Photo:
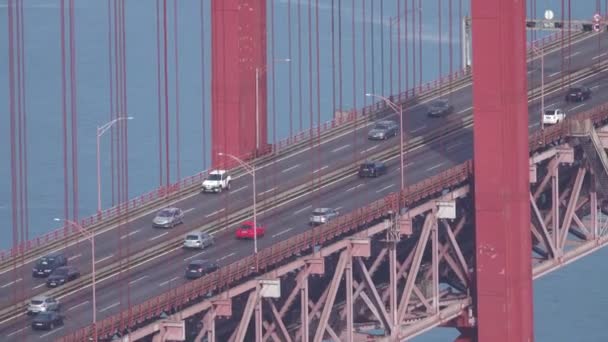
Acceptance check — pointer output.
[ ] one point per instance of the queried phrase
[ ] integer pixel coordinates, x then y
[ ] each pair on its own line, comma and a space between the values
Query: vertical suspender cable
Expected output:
372, 40
439, 10
166, 96
420, 42
289, 55
203, 86
301, 100
382, 81
74, 115
333, 56
414, 12
158, 95
340, 60
406, 46
177, 128
13, 135
390, 52
364, 55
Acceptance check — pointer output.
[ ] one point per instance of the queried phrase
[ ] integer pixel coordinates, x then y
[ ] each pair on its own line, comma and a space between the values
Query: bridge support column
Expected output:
239, 48
502, 223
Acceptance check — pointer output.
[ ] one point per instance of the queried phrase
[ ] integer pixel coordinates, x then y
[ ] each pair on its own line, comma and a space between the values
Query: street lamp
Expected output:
399, 111
541, 52
100, 131
91, 237
250, 169
258, 72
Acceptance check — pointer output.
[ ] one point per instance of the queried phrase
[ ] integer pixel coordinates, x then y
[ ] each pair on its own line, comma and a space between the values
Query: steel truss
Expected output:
413, 272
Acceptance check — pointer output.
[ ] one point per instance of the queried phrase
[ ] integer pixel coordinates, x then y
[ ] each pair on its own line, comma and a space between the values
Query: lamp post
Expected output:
100, 131
541, 52
258, 73
250, 169
91, 237
399, 111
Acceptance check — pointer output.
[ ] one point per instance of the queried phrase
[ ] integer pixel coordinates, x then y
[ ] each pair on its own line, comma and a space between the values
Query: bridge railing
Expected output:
162, 192
268, 257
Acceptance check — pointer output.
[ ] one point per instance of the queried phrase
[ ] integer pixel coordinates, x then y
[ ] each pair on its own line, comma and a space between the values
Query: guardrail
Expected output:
148, 200
272, 256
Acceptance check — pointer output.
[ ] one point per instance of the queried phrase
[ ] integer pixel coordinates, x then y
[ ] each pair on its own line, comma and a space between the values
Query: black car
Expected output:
372, 169
439, 108
62, 275
198, 268
47, 320
578, 94
47, 264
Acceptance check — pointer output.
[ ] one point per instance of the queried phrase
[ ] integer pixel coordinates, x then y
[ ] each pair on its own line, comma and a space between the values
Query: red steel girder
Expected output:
502, 209
239, 47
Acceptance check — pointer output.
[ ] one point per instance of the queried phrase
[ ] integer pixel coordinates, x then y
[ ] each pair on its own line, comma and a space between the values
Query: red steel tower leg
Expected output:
238, 48
502, 208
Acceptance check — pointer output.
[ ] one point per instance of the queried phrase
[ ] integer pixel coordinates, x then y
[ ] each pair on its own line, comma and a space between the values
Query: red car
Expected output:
246, 231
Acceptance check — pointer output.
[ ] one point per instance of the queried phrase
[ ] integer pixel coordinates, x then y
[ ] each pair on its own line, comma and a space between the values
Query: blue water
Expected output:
561, 315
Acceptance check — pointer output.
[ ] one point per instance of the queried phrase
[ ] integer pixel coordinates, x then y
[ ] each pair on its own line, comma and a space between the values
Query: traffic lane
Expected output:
108, 257
417, 113
549, 57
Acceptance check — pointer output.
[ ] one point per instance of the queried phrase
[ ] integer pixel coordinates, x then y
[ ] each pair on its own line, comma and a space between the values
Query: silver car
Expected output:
200, 240
42, 304
323, 215
168, 218
383, 130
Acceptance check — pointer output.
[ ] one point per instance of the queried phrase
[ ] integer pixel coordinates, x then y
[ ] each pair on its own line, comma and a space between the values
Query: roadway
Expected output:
166, 271
273, 178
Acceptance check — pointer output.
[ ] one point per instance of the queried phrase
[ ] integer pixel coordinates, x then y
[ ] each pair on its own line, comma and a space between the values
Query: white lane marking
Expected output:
340, 148
534, 125
435, 167
531, 71
369, 149
269, 190
74, 257
465, 110
338, 208
109, 307
550, 105
385, 188
282, 232
78, 305
595, 87
194, 256
158, 236
38, 286
188, 210
354, 187
599, 56
290, 168
226, 257
418, 129
131, 233
11, 283
168, 281
138, 279
398, 170
239, 189
104, 258
574, 54
51, 332
577, 107
453, 146
215, 212
555, 74
16, 332
321, 169
301, 210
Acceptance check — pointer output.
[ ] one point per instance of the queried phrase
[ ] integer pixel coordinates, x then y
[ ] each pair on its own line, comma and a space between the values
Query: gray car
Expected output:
168, 218
383, 130
42, 304
440, 107
200, 240
323, 215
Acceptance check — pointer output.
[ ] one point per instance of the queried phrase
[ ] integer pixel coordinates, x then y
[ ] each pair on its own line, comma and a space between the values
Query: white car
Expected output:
217, 181
42, 304
553, 116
